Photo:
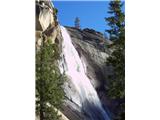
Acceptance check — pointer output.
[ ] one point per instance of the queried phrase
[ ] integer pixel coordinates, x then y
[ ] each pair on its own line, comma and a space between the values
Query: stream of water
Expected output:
74, 68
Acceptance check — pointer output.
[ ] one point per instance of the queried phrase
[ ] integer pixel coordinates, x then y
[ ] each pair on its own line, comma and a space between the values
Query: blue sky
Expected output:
91, 13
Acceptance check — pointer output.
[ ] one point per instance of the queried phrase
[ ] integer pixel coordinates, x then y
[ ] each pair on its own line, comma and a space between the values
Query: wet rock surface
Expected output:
91, 46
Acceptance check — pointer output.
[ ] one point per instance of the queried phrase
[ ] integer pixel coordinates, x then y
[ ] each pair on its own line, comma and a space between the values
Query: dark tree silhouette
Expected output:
116, 85
77, 22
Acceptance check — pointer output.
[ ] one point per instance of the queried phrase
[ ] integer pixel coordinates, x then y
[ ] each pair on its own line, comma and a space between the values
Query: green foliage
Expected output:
49, 81
116, 83
116, 20
117, 80
55, 11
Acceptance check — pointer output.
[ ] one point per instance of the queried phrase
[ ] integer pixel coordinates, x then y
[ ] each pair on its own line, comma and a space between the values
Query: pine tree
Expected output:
49, 81
116, 21
116, 84
77, 22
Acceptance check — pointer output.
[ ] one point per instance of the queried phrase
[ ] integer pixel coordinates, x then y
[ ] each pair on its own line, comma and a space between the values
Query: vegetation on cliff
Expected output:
49, 81
116, 84
77, 22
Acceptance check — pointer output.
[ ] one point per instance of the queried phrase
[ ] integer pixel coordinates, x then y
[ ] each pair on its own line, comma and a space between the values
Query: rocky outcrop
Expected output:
47, 26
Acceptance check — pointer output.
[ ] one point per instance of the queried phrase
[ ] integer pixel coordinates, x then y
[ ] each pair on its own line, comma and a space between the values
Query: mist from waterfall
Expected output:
74, 68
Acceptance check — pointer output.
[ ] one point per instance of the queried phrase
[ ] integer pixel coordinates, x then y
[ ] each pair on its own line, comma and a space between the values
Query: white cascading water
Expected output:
75, 70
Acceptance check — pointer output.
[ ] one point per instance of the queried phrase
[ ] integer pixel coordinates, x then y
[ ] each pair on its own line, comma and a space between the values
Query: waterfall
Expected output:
74, 68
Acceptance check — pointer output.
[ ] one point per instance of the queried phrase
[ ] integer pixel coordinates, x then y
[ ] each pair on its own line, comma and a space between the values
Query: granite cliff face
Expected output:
91, 47
47, 26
